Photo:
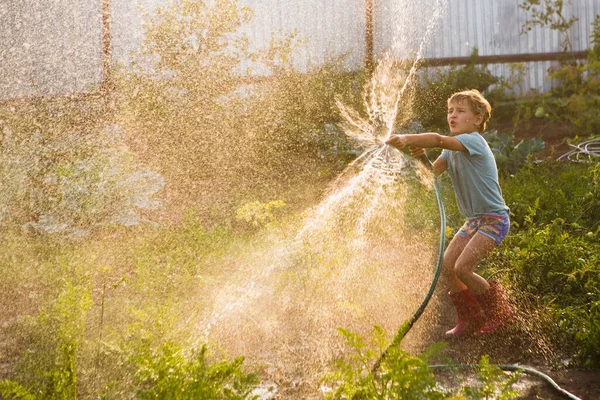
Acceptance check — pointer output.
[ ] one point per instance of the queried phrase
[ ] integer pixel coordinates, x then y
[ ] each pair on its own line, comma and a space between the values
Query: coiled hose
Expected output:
406, 326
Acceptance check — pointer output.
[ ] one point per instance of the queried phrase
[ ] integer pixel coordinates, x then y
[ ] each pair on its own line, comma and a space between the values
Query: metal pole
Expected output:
106, 45
369, 37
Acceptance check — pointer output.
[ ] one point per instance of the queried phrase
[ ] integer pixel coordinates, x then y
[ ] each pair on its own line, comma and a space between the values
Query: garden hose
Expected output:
583, 151
515, 368
406, 326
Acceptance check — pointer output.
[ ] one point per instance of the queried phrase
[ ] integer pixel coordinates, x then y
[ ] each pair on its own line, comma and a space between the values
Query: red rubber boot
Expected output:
497, 311
469, 314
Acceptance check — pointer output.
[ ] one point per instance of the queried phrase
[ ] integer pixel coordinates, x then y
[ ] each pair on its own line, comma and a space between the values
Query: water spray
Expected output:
406, 326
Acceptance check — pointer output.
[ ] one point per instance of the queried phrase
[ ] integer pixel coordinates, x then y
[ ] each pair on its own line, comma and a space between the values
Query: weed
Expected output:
552, 251
494, 383
257, 213
403, 376
48, 367
509, 155
169, 374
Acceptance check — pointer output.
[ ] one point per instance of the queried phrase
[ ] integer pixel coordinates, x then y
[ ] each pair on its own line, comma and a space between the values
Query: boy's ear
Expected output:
479, 119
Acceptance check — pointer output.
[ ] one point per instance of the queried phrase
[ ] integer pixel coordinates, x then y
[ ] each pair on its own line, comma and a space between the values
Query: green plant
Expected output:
561, 268
169, 373
48, 368
402, 376
543, 192
575, 97
551, 254
215, 132
589, 336
509, 155
71, 183
493, 383
551, 14
257, 213
14, 390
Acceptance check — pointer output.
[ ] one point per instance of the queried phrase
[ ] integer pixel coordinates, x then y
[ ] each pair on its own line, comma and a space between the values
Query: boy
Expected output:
481, 306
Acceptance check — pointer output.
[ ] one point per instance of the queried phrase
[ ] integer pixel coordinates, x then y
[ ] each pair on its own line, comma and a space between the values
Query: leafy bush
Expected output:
215, 132
542, 192
72, 182
553, 250
574, 99
493, 383
169, 374
48, 368
561, 269
402, 376
510, 156
257, 213
549, 14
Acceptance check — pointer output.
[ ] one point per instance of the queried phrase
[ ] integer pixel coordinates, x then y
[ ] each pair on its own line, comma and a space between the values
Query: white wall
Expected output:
493, 26
54, 46
48, 47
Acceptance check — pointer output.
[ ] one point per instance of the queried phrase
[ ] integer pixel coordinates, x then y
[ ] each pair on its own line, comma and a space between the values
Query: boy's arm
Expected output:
426, 140
439, 165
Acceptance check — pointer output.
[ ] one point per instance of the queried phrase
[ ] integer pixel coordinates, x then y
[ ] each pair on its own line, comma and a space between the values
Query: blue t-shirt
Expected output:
474, 176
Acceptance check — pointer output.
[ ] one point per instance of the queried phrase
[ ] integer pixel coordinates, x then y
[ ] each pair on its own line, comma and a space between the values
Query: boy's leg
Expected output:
451, 255
489, 295
476, 250
469, 315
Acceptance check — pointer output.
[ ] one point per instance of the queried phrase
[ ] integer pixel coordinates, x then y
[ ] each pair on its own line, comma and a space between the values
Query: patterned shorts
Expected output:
493, 226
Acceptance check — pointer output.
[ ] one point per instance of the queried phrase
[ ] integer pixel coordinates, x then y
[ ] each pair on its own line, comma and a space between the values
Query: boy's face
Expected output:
462, 119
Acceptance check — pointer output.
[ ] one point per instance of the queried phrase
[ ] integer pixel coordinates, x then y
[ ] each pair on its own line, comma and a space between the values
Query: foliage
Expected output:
402, 376
553, 249
575, 95
179, 100
109, 330
434, 90
210, 128
493, 383
70, 181
48, 367
509, 155
287, 120
551, 14
169, 374
543, 192
14, 390
257, 213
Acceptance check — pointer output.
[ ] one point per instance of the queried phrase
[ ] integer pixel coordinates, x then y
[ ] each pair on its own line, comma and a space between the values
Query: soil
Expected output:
528, 342
554, 134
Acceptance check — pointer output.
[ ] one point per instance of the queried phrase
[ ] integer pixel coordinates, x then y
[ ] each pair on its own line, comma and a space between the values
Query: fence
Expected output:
55, 46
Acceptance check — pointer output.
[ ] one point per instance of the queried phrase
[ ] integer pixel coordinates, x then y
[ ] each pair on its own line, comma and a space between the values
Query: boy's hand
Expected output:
416, 152
398, 141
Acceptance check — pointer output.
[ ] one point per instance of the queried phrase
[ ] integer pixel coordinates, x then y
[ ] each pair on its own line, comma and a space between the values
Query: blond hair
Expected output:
478, 104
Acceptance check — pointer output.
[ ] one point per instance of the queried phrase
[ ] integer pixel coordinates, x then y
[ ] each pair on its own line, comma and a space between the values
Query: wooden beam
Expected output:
426, 62
369, 63
504, 58
106, 45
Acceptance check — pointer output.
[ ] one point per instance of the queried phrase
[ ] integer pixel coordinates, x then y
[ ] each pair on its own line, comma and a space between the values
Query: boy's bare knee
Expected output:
463, 271
447, 267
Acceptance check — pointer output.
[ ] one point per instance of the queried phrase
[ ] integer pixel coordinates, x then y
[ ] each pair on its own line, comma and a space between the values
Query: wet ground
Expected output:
527, 342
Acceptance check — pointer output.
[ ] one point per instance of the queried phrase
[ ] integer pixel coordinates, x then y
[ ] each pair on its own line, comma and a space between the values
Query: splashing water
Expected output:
361, 257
